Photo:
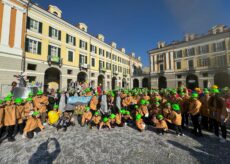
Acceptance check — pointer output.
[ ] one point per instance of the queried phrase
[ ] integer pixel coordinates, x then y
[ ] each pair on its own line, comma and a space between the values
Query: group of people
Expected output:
140, 107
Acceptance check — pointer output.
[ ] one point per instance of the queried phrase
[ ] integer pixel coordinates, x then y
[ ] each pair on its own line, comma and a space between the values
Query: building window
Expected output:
178, 54
178, 76
190, 52
190, 64
34, 25
203, 62
33, 46
93, 49
92, 74
108, 76
83, 44
205, 74
83, 59
70, 39
31, 67
54, 53
69, 71
108, 55
31, 79
205, 83
54, 33
160, 58
108, 66
178, 65
93, 62
101, 52
203, 49
220, 61
219, 46
161, 67
70, 56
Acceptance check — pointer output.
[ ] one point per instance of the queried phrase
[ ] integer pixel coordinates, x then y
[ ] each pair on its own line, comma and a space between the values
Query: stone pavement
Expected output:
119, 145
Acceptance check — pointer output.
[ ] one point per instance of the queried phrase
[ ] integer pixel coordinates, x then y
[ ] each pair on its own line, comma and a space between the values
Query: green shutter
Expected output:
40, 27
50, 31
80, 45
85, 59
39, 48
49, 50
28, 23
59, 35
67, 38
74, 41
27, 45
85, 46
59, 52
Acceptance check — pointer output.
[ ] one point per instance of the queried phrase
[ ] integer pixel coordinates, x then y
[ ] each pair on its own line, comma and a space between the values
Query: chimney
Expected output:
160, 44
217, 29
123, 50
189, 37
133, 54
82, 26
55, 11
101, 37
114, 45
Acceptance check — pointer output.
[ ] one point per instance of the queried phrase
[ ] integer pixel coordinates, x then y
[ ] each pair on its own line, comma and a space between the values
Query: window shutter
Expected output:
85, 59
67, 38
80, 45
50, 31
39, 48
28, 23
40, 27
95, 49
59, 52
85, 45
27, 45
91, 48
59, 35
74, 41
49, 50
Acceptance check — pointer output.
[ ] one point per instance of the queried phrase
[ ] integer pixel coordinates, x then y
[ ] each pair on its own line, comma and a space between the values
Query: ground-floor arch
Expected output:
145, 82
162, 82
124, 83
101, 81
135, 83
192, 81
81, 77
114, 83
52, 79
222, 79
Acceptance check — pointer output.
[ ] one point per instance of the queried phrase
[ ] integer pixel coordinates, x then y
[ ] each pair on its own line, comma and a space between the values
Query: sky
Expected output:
137, 25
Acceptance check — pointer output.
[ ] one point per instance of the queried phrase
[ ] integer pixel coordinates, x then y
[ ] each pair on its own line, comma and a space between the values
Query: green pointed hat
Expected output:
138, 117
176, 107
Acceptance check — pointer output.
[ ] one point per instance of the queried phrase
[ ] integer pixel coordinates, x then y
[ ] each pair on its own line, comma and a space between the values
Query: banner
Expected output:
83, 100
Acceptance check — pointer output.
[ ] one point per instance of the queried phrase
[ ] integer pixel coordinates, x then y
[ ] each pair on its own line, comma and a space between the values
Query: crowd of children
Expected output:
164, 109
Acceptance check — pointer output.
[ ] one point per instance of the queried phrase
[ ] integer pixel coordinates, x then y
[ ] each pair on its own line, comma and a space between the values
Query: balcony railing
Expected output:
115, 72
102, 70
54, 60
84, 66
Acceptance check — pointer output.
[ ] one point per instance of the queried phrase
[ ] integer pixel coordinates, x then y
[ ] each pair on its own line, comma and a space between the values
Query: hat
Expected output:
216, 90
105, 119
29, 99
87, 90
55, 106
112, 116
87, 108
194, 95
176, 107
35, 113
136, 106
206, 92
127, 112
157, 103
122, 111
1, 101
18, 101
39, 93
160, 117
142, 102
7, 99
147, 102
181, 93
96, 113
138, 117
31, 94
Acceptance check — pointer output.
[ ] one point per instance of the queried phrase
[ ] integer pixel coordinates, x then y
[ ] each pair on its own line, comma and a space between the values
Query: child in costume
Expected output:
140, 123
194, 111
65, 120
161, 124
1, 117
112, 119
10, 118
54, 115
176, 119
96, 119
105, 122
19, 116
28, 107
33, 126
86, 117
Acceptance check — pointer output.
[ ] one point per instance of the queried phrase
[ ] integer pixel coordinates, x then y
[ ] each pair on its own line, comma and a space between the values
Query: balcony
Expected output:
115, 72
84, 66
102, 70
55, 60
125, 75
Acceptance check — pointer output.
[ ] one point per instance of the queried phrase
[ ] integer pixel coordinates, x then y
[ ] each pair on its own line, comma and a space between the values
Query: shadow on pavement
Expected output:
42, 155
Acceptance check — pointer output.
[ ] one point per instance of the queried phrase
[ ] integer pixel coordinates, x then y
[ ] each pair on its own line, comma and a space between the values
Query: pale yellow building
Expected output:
59, 53
197, 61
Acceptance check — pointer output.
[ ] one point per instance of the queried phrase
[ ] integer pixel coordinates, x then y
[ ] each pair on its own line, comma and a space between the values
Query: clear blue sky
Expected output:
138, 25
